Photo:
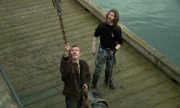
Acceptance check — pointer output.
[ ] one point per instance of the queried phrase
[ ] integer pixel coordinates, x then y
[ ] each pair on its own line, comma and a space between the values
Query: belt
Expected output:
105, 48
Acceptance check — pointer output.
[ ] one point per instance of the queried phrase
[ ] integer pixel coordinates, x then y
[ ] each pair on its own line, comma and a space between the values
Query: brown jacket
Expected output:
73, 81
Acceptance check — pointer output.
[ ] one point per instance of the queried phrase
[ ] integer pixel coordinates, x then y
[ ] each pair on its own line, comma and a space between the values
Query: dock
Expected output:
31, 46
6, 98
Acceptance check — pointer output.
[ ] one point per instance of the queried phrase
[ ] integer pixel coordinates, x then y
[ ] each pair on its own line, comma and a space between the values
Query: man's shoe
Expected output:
93, 87
111, 85
94, 81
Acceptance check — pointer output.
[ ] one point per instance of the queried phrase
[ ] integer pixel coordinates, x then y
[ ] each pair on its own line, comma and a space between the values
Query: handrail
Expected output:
11, 87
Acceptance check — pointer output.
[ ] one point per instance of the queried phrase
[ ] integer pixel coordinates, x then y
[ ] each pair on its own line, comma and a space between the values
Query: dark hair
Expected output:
116, 16
75, 46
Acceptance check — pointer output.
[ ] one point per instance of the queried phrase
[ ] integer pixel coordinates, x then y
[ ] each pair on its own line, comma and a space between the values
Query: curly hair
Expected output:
116, 16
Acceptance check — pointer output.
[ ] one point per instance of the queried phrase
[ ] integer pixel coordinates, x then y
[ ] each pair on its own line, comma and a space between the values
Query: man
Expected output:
110, 41
75, 75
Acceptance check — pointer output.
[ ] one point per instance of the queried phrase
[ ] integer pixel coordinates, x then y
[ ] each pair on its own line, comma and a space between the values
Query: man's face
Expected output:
75, 52
110, 17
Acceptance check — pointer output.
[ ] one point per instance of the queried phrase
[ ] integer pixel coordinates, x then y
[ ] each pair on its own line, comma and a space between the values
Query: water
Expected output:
155, 21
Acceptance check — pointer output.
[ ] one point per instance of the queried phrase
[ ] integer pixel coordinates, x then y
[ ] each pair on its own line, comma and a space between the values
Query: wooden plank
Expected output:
22, 31
130, 60
48, 19
25, 79
27, 3
136, 87
24, 11
121, 73
139, 97
48, 11
32, 9
166, 95
40, 87
40, 96
47, 55
68, 29
36, 86
132, 71
35, 74
116, 99
6, 99
25, 55
56, 38
171, 103
123, 78
135, 75
38, 79
24, 4
140, 73
29, 50
30, 80
28, 8
46, 102
58, 105
29, 18
39, 66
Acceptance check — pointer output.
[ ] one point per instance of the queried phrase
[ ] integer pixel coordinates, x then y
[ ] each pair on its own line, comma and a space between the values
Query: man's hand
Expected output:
93, 52
85, 87
94, 46
113, 51
67, 47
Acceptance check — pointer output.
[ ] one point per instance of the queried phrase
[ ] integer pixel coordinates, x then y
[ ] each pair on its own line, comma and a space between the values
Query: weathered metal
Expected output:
58, 5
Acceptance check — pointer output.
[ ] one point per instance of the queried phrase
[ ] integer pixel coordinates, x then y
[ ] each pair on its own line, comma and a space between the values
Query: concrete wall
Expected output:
148, 51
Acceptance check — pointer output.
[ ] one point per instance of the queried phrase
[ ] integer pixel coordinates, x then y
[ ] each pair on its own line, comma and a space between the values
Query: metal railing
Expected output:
11, 87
